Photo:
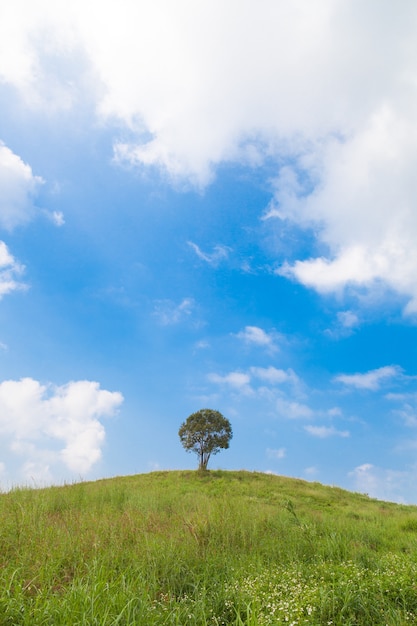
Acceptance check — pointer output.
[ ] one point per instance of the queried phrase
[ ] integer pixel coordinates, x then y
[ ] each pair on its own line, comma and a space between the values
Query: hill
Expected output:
206, 549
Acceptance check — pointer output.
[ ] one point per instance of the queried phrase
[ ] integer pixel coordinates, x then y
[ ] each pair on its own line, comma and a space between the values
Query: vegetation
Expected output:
205, 433
205, 548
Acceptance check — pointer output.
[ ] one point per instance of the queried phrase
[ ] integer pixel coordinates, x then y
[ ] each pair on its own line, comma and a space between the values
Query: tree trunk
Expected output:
204, 459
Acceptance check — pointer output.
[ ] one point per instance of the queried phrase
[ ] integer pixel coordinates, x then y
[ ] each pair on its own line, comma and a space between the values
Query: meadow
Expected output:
207, 549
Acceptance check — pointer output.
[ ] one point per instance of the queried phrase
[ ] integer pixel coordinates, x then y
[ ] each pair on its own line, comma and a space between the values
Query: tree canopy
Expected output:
205, 432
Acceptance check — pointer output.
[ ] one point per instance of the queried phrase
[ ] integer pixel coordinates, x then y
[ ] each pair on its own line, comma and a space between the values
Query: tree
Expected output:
205, 433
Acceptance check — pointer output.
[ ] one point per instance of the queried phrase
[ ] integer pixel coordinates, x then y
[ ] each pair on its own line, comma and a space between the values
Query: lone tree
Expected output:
205, 433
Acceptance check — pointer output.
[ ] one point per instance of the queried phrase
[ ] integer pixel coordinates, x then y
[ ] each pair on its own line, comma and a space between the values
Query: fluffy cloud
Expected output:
55, 426
384, 484
253, 335
236, 380
345, 323
166, 74
371, 380
10, 272
18, 187
363, 207
204, 83
278, 388
274, 376
270, 376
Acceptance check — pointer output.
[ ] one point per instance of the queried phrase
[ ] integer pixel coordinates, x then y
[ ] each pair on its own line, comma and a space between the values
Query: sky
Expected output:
209, 204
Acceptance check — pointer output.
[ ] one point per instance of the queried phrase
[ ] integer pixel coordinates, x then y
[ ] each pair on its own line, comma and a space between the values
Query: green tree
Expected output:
205, 432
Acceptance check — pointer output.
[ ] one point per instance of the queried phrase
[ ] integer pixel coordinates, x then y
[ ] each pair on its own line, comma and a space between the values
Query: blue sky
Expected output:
209, 204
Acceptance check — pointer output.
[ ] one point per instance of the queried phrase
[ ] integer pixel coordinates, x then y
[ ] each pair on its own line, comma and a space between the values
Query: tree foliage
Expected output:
205, 432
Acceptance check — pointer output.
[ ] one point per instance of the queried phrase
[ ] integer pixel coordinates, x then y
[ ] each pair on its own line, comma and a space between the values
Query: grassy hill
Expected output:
181, 548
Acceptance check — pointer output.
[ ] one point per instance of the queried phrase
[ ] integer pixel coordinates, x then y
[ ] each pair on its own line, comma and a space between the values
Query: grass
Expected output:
186, 548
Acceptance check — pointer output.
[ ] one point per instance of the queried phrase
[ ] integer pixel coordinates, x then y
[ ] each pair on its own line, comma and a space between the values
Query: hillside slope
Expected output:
212, 548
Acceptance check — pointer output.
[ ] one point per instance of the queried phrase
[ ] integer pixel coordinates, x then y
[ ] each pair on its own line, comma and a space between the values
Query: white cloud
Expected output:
253, 335
279, 453
364, 208
348, 319
274, 376
365, 479
245, 381
16, 65
404, 410
220, 253
334, 412
40, 47
290, 409
407, 411
57, 217
173, 72
169, 313
198, 84
18, 187
326, 431
237, 380
55, 426
371, 380
408, 414
10, 272
384, 484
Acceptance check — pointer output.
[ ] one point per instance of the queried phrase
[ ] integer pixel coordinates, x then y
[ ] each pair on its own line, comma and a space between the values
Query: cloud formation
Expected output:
18, 188
220, 253
288, 408
238, 381
246, 382
325, 431
384, 484
362, 207
274, 376
10, 272
54, 427
169, 313
255, 336
338, 120
279, 453
371, 380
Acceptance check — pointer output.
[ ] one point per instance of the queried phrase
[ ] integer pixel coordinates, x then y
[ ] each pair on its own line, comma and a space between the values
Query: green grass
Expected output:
184, 548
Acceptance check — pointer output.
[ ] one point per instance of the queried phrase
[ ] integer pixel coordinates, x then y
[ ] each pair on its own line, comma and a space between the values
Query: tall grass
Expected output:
215, 548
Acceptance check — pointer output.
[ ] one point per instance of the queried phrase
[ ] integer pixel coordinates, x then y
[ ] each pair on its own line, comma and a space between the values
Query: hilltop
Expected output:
205, 548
